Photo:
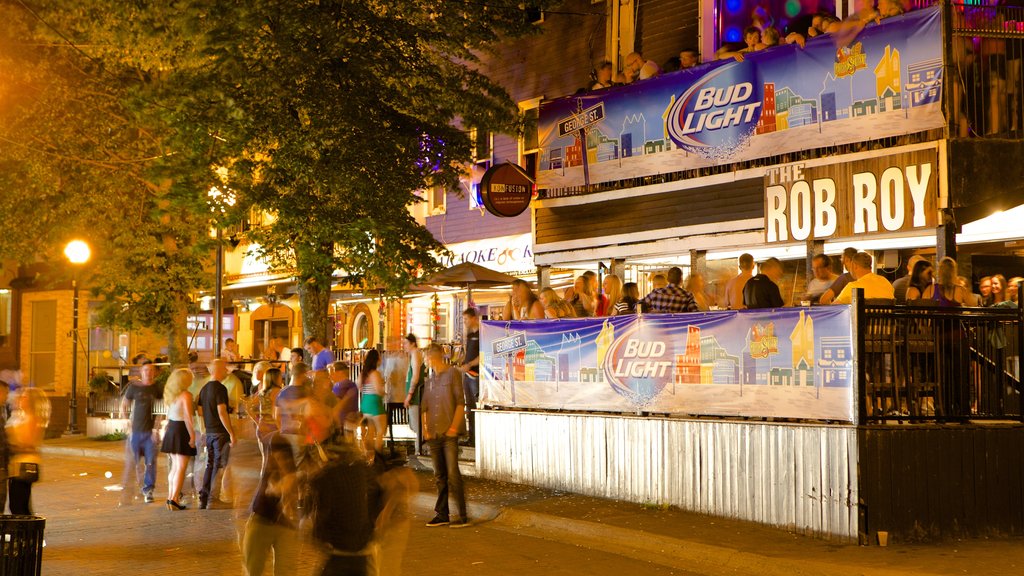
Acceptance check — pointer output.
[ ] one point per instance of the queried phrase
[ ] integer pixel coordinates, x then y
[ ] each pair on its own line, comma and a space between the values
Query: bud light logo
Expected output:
638, 365
719, 113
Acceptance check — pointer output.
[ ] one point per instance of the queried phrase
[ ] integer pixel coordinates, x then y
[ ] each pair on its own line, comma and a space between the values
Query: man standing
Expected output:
734, 287
823, 278
471, 368
138, 400
443, 411
213, 411
874, 286
843, 280
322, 357
762, 291
672, 299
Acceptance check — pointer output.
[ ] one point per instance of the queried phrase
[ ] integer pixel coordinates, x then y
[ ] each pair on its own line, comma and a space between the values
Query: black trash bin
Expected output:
21, 545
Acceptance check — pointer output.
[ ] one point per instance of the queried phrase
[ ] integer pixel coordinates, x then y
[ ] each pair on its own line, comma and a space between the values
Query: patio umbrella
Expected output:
469, 275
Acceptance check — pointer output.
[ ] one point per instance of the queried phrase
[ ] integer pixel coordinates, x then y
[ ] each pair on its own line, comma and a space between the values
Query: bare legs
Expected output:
380, 427
176, 476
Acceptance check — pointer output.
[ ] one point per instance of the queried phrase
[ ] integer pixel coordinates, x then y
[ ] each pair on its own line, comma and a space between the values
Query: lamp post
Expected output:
77, 252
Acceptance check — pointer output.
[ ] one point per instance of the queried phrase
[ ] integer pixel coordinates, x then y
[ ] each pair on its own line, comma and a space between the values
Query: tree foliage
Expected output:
329, 114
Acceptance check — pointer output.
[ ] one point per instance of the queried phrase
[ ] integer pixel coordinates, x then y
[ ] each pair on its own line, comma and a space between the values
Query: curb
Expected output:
82, 452
423, 464
667, 551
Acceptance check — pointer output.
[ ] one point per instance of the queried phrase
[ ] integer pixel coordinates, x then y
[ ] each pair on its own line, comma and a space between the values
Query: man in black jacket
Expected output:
762, 291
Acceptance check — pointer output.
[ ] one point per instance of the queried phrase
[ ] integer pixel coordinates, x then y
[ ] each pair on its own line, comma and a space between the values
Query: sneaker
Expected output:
437, 521
148, 497
459, 523
203, 503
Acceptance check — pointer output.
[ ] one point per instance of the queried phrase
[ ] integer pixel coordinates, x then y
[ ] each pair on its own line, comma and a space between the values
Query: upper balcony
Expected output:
950, 71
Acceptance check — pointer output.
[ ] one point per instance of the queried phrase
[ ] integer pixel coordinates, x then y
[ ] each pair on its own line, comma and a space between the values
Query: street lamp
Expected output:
77, 252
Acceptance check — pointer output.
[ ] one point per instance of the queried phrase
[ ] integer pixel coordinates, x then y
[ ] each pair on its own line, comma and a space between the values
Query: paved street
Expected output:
536, 532
87, 533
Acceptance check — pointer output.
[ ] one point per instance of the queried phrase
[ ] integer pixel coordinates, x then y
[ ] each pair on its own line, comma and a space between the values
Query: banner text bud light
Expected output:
719, 113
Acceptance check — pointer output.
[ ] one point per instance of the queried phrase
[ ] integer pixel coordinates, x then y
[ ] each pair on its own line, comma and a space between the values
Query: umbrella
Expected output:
468, 274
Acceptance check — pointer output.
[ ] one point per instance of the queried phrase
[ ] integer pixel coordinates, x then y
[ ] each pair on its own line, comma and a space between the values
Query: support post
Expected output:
73, 416
543, 277
699, 262
218, 295
945, 238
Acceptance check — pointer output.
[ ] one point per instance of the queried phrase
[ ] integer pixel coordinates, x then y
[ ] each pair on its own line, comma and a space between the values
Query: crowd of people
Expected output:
324, 469
923, 283
760, 35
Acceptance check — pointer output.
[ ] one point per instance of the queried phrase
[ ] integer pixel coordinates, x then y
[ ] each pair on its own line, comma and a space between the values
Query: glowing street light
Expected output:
78, 253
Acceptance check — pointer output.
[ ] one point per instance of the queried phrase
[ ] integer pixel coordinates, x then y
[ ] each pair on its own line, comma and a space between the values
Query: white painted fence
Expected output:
795, 476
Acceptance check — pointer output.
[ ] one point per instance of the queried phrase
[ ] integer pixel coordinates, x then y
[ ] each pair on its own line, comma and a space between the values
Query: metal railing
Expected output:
922, 363
984, 68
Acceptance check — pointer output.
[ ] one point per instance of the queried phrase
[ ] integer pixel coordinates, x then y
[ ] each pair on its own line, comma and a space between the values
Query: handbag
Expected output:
28, 472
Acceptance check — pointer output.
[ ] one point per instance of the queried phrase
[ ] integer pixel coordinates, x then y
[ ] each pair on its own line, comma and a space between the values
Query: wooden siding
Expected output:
797, 477
666, 27
928, 482
459, 223
707, 204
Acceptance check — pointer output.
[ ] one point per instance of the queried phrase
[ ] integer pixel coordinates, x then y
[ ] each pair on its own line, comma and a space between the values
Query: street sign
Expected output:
509, 344
581, 120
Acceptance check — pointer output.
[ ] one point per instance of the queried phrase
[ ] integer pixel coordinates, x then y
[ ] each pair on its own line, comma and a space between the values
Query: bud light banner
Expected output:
783, 363
886, 81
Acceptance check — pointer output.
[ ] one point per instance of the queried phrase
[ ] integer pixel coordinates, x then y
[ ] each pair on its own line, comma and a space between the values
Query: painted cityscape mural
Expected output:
887, 81
784, 363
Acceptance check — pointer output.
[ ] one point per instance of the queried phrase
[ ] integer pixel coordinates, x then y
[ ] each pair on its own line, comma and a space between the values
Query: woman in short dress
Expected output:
179, 436
25, 432
371, 384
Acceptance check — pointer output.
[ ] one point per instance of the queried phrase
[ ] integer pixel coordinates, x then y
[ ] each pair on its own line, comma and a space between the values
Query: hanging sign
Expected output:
506, 190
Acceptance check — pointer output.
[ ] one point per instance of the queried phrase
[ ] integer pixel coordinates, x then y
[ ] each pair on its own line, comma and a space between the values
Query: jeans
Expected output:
141, 444
260, 537
471, 387
218, 446
444, 453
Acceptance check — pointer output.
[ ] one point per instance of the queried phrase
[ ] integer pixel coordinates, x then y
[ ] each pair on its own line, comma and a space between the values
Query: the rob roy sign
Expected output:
884, 194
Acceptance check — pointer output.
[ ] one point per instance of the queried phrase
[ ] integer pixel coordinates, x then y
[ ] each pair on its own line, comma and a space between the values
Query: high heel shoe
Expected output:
172, 505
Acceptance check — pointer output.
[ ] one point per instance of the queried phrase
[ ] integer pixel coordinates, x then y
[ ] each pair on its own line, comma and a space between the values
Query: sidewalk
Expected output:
676, 539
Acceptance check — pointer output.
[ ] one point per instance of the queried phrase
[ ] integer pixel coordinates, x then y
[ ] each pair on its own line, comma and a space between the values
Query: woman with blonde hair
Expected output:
25, 432
946, 291
554, 305
584, 301
612, 285
180, 435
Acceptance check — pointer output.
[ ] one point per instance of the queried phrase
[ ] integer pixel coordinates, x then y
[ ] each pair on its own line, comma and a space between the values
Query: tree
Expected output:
90, 149
347, 108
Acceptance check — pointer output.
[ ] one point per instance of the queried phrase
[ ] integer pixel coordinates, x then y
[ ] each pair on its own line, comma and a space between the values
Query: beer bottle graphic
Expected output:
604, 342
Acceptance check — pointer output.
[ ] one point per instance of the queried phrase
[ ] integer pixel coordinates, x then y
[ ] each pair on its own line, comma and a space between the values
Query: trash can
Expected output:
21, 545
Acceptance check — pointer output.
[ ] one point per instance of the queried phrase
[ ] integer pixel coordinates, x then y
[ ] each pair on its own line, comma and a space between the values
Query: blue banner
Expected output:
783, 363
886, 81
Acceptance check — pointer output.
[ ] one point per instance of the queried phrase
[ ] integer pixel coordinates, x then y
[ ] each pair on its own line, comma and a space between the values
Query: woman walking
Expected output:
371, 384
25, 434
180, 435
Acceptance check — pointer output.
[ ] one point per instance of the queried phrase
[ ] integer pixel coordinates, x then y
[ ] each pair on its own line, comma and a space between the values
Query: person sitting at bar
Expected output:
554, 305
946, 291
658, 281
630, 300
524, 303
874, 286
921, 277
843, 279
901, 284
672, 299
696, 285
762, 291
823, 278
734, 287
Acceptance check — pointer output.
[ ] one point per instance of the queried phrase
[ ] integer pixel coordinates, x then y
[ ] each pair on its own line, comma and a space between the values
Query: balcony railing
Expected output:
939, 364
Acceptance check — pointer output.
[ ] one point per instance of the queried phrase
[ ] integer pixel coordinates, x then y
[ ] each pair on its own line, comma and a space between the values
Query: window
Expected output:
529, 143
483, 145
43, 345
202, 327
5, 316
361, 331
436, 200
